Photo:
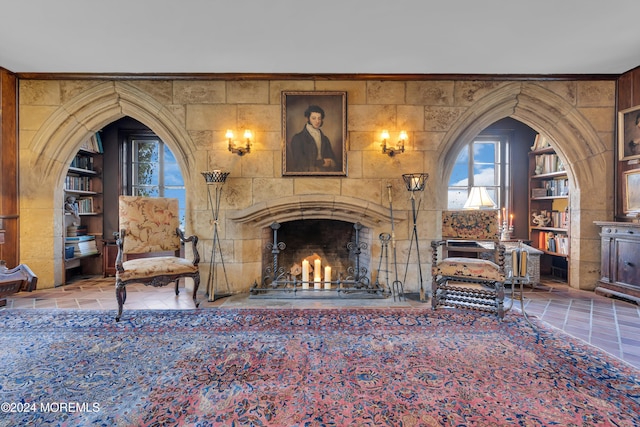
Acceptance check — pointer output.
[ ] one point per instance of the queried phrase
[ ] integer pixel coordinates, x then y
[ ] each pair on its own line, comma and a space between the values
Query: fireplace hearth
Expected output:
317, 258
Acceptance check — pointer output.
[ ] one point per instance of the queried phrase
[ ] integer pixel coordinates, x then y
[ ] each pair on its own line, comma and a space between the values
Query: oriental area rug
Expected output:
304, 367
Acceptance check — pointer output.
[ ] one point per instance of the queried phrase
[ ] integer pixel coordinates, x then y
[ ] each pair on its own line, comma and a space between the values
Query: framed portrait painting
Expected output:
631, 190
629, 133
314, 129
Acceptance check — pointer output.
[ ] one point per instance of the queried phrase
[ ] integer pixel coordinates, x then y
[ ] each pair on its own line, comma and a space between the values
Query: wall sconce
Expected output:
240, 151
402, 138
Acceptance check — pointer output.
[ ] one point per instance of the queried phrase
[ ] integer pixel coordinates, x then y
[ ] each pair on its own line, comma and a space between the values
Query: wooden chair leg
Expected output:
121, 296
196, 285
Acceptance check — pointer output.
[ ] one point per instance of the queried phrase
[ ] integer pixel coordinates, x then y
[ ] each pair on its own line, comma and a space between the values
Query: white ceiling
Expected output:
317, 37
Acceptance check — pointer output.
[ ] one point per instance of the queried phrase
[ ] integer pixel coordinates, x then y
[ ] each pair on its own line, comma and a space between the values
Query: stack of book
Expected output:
82, 245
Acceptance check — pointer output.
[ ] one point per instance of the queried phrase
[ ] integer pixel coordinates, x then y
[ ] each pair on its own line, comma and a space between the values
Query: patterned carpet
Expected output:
305, 367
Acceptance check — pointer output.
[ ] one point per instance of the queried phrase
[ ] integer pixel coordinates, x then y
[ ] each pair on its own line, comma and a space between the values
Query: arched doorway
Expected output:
54, 146
576, 142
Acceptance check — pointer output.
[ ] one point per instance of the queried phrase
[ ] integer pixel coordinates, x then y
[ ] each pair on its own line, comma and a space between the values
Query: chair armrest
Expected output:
194, 244
435, 244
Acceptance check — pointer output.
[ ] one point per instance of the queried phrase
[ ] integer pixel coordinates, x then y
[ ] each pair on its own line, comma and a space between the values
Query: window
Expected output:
482, 162
151, 169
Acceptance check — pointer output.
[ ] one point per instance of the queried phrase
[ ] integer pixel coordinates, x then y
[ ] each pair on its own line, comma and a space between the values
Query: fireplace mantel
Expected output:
316, 206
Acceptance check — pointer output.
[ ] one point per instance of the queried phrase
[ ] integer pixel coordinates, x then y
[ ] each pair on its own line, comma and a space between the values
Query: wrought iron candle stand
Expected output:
357, 274
277, 280
215, 180
415, 182
273, 272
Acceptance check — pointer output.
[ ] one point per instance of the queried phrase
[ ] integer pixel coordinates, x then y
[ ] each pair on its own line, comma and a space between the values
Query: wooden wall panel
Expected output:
628, 96
9, 250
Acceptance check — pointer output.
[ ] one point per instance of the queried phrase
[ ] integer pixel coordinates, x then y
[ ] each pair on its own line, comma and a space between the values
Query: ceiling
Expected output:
318, 37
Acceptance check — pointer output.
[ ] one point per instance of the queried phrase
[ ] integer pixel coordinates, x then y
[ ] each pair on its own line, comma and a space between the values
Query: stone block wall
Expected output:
192, 116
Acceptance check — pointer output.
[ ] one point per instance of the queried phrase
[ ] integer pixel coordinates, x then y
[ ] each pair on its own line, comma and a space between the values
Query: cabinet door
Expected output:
628, 271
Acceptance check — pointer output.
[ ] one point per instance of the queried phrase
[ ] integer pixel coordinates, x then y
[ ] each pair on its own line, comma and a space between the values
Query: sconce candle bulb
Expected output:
241, 151
399, 145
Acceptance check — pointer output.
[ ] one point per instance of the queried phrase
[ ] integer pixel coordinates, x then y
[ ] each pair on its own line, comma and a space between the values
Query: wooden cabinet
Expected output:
549, 209
109, 253
620, 260
83, 213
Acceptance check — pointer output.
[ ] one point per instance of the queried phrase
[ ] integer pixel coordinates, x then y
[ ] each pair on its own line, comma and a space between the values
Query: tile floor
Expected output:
608, 323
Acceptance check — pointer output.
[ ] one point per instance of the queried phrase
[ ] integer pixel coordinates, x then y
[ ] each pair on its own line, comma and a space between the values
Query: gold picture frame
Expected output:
314, 133
629, 133
631, 191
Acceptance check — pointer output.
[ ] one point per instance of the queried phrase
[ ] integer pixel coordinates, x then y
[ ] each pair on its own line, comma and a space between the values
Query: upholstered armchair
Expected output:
149, 246
468, 263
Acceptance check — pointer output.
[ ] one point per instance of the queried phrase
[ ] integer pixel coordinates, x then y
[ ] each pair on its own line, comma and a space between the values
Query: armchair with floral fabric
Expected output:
149, 246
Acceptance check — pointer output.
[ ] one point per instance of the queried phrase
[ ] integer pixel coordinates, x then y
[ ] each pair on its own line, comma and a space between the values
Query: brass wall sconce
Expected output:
239, 150
399, 148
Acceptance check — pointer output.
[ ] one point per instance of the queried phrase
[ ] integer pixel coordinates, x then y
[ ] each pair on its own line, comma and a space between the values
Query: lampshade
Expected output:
479, 199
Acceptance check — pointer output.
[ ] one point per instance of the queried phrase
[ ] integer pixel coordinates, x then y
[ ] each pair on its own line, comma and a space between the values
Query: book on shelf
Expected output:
78, 183
548, 163
86, 205
93, 144
81, 161
74, 239
82, 245
540, 143
560, 219
554, 242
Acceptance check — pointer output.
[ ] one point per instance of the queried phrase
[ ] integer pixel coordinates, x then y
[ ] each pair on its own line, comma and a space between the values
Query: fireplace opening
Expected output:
333, 241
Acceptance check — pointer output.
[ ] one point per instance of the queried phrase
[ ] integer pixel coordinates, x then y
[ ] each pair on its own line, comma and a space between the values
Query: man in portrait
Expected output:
310, 149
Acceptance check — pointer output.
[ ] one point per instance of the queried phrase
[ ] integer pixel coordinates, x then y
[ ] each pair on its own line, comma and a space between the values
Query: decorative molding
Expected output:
316, 206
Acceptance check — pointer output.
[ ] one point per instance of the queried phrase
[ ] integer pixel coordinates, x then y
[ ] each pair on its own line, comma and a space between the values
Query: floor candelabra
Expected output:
415, 182
215, 180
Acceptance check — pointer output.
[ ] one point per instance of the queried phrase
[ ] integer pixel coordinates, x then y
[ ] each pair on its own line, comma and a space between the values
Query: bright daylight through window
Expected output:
482, 162
155, 172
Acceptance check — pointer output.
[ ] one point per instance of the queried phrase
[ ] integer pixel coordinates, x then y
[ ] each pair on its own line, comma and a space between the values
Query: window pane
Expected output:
457, 198
484, 175
460, 174
484, 152
145, 162
145, 151
155, 171
483, 159
146, 191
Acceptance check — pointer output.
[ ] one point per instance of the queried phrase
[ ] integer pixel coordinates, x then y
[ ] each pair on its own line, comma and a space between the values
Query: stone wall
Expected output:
191, 116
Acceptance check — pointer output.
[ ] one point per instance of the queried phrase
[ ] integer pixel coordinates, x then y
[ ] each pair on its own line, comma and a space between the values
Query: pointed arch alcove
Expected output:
578, 144
54, 144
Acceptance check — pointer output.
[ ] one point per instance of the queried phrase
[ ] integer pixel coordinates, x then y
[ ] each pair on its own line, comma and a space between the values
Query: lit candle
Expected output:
327, 277
305, 274
415, 183
504, 214
317, 273
511, 220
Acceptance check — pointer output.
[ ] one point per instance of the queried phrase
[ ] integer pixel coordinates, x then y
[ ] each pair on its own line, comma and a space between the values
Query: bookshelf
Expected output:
549, 208
83, 211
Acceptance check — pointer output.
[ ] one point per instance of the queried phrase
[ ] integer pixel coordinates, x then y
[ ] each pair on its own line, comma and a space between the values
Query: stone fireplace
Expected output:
343, 246
342, 232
